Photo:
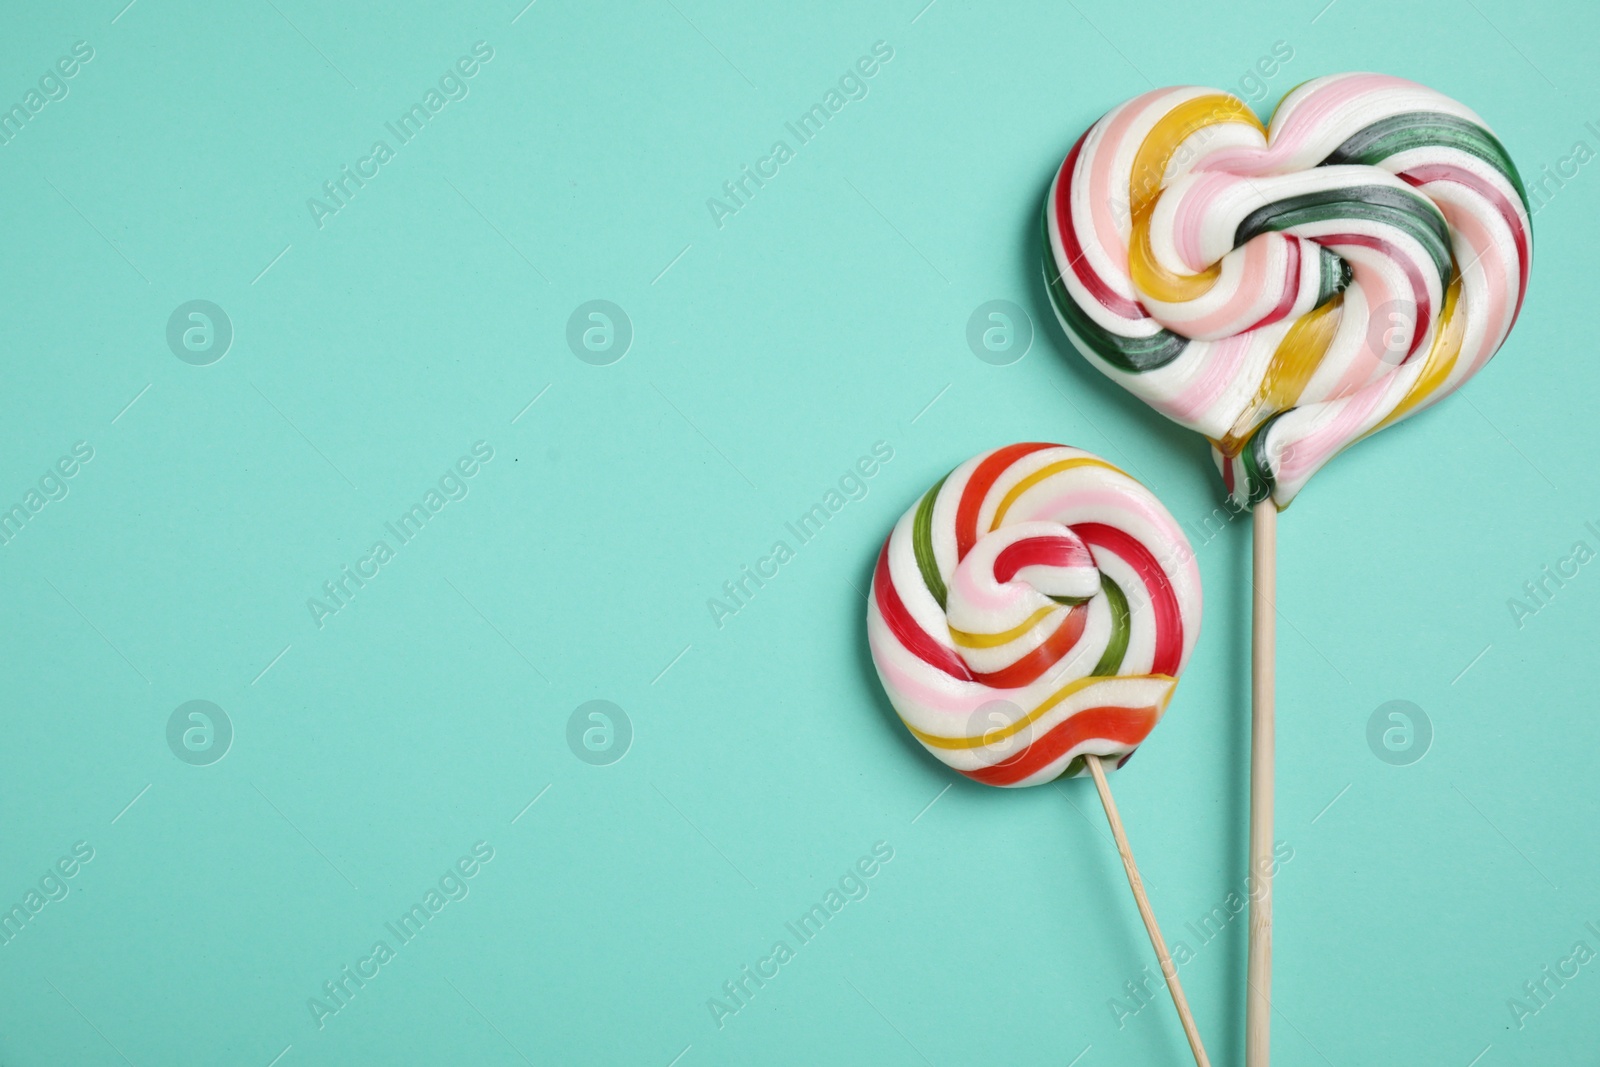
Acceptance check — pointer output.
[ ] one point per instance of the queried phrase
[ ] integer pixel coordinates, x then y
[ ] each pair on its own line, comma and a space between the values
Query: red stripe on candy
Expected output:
1032, 666
1096, 285
1291, 288
1443, 172
978, 487
1125, 726
1040, 552
1163, 599
905, 629
1419, 287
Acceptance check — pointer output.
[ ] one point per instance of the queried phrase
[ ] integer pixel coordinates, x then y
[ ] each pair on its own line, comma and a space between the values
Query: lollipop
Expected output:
1286, 290
1029, 618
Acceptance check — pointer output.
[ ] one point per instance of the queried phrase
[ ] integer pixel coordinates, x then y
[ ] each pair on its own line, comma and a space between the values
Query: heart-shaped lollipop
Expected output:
1028, 618
1287, 290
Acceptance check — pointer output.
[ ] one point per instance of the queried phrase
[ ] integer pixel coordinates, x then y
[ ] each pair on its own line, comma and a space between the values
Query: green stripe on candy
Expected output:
1121, 628
1133, 354
1400, 209
922, 544
1259, 480
1373, 144
1111, 658
1335, 275
1073, 768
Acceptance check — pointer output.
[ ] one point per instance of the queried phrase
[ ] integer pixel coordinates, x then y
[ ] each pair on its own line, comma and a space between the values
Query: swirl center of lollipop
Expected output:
1021, 587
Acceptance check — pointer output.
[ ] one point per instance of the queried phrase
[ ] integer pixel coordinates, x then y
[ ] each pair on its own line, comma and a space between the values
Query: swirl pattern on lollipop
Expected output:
1037, 604
1288, 289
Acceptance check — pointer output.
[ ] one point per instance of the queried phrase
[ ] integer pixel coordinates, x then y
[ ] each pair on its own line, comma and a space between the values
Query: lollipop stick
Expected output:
1157, 942
1258, 973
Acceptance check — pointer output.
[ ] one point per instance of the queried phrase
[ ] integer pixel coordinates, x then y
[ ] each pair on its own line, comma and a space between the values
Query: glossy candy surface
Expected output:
1288, 289
1035, 605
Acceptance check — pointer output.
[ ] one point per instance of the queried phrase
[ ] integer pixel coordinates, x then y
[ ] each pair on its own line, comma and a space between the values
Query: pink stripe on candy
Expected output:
1102, 186
1444, 172
1306, 121
1087, 276
969, 584
1252, 281
1218, 369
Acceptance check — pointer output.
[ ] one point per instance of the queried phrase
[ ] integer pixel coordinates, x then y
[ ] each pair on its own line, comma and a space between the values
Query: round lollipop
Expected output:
1286, 290
1029, 618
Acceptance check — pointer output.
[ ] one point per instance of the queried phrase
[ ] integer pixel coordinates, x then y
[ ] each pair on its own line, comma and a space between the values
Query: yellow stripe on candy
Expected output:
1150, 165
1441, 356
1289, 371
1151, 277
1040, 475
1176, 126
989, 737
967, 640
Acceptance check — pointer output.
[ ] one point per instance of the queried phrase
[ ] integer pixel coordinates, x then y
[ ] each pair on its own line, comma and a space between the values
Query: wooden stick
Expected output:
1263, 647
1168, 969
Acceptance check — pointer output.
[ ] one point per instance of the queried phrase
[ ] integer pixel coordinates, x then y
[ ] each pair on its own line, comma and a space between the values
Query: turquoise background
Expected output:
767, 355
